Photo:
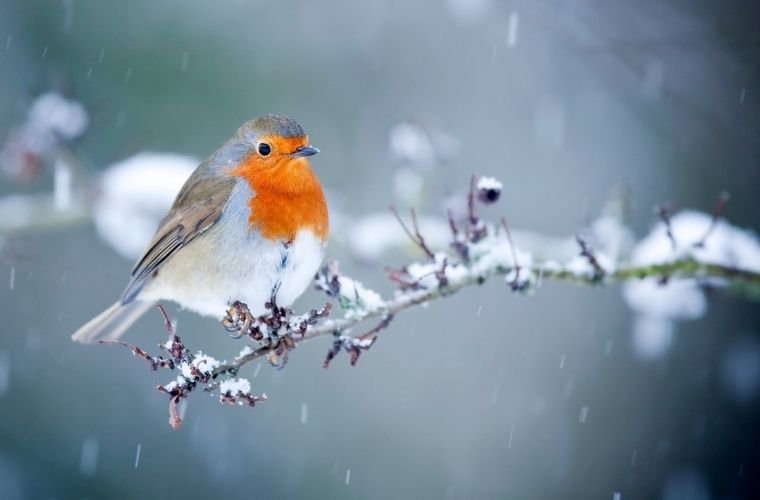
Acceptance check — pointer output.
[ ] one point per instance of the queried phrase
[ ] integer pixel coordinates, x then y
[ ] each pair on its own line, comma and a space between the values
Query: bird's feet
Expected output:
238, 320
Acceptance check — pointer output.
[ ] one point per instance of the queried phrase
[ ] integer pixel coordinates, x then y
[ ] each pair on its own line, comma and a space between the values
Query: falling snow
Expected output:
88, 460
514, 19
304, 413
583, 415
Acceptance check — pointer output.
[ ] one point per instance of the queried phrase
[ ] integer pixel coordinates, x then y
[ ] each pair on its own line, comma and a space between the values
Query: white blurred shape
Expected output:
182, 409
304, 413
62, 180
676, 299
583, 417
652, 336
514, 20
413, 143
410, 142
51, 119
740, 370
467, 11
235, 386
66, 118
135, 194
88, 460
487, 183
549, 123
696, 236
137, 455
612, 237
725, 244
686, 485
375, 234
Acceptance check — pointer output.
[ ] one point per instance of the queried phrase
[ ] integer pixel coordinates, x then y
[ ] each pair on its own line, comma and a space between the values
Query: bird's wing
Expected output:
198, 206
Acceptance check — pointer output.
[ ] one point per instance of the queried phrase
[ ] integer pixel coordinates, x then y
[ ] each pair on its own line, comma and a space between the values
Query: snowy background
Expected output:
573, 392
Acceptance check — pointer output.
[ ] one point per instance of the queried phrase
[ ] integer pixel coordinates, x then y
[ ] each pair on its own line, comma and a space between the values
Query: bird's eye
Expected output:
264, 149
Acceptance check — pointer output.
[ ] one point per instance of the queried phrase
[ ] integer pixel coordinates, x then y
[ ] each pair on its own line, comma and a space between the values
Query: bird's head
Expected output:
273, 142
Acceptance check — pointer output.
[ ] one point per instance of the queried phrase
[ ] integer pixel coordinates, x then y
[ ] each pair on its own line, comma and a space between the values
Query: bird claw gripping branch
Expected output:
274, 328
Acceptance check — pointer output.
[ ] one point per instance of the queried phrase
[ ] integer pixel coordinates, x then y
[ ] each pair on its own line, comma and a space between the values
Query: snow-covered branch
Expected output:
443, 277
663, 276
683, 254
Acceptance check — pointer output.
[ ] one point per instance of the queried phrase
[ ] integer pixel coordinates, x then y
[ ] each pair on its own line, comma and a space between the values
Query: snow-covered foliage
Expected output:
415, 144
235, 387
688, 235
60, 116
51, 120
488, 183
356, 299
136, 193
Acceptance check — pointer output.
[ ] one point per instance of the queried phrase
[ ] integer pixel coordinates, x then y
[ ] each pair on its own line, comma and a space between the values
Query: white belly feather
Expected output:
231, 262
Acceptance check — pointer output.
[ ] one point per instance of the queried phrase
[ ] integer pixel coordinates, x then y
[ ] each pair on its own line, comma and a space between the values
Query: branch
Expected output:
684, 269
480, 251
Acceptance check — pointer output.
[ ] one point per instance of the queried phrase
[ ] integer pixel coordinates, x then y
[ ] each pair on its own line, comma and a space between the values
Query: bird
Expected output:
249, 225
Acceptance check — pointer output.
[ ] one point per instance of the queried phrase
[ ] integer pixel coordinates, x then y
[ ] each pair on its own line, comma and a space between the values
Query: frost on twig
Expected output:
195, 370
664, 276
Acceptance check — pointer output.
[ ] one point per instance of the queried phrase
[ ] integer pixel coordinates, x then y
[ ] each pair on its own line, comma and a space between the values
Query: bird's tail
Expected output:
113, 322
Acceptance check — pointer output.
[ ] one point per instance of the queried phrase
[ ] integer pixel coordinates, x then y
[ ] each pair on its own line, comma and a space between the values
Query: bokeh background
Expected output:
484, 395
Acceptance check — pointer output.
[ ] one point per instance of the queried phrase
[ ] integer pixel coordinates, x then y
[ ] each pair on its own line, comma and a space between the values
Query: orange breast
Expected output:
288, 198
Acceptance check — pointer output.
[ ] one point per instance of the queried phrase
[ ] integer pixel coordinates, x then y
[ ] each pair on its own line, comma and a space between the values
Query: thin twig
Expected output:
663, 211
471, 200
720, 206
416, 237
588, 253
515, 282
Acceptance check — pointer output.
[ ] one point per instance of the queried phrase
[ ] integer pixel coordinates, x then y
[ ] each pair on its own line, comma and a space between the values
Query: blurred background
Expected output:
486, 394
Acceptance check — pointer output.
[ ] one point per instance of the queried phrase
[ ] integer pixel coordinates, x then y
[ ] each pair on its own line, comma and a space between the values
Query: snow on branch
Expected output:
664, 275
667, 268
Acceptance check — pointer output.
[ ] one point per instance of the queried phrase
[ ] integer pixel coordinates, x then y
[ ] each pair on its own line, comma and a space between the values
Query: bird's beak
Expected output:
304, 151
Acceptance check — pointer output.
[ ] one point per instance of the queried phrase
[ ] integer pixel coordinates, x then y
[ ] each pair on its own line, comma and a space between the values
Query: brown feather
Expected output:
197, 207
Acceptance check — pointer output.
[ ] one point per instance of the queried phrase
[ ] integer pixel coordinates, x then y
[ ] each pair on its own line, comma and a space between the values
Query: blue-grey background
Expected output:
659, 96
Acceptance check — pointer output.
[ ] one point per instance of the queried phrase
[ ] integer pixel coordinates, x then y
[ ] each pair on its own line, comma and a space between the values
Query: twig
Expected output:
416, 237
155, 362
588, 253
456, 241
720, 206
515, 283
471, 200
663, 211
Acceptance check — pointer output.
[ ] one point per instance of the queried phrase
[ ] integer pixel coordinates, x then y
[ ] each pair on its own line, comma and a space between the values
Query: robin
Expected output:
249, 225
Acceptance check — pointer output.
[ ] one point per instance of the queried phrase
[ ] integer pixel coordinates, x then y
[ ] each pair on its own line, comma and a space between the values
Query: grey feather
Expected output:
113, 322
